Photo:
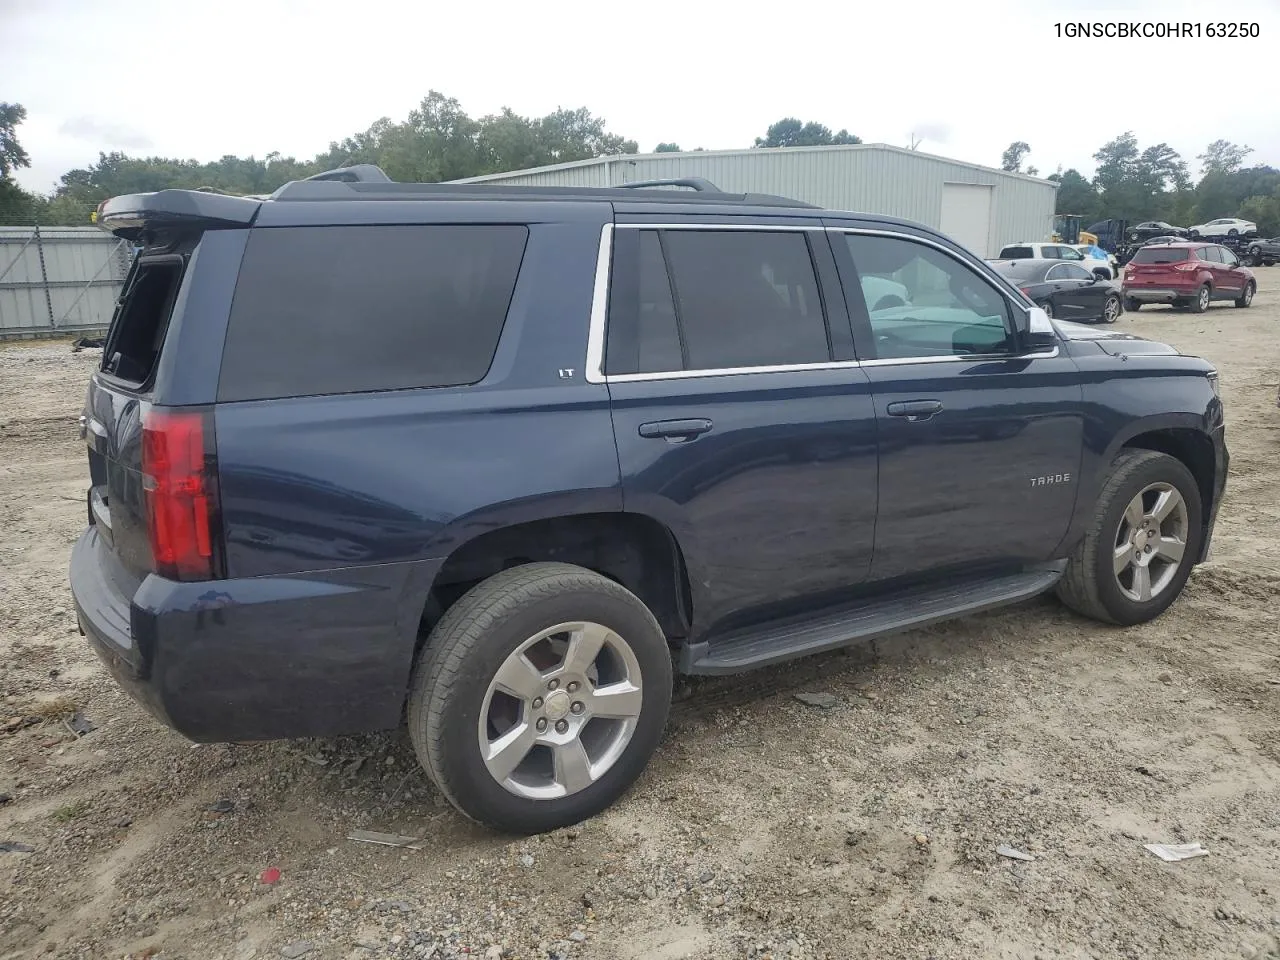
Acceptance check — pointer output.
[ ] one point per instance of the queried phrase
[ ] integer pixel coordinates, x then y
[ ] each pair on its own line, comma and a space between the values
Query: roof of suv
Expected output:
128, 216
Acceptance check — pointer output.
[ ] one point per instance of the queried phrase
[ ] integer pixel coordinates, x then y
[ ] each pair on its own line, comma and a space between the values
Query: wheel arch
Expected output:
632, 549
1187, 443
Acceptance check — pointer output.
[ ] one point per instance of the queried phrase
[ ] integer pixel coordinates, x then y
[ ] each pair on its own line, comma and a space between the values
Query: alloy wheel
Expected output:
1111, 309
1150, 542
560, 710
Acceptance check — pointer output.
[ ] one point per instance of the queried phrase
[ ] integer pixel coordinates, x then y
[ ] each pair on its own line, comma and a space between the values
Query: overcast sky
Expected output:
198, 79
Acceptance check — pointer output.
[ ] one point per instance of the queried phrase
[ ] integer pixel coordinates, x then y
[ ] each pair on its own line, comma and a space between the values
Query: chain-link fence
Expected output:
58, 279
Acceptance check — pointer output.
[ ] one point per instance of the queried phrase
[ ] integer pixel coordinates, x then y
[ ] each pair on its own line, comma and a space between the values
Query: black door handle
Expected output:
914, 409
679, 430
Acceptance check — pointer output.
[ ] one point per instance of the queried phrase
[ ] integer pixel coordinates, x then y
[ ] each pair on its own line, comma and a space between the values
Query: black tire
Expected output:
1047, 307
1131, 305
1201, 303
1246, 296
1233, 232
1089, 586
472, 641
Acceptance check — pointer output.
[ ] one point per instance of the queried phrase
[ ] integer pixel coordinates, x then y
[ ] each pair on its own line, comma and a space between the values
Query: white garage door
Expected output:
966, 215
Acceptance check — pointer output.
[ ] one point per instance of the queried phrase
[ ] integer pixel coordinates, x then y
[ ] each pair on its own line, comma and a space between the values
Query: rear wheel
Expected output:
1132, 305
1233, 232
539, 697
1201, 303
1111, 309
1136, 557
1246, 298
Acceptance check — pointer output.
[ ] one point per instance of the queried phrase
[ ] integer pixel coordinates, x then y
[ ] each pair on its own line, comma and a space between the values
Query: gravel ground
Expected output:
765, 827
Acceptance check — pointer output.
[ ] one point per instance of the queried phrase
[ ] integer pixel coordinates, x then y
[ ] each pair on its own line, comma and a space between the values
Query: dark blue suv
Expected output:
497, 462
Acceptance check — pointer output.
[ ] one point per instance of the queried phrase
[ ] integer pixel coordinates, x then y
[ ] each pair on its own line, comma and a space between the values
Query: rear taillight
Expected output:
180, 482
1191, 267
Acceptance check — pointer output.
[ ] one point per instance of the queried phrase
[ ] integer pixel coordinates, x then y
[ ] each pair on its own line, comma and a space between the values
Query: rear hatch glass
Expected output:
1158, 255
117, 396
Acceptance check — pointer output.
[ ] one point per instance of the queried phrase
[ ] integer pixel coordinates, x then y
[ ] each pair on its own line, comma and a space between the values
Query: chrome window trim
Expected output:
594, 369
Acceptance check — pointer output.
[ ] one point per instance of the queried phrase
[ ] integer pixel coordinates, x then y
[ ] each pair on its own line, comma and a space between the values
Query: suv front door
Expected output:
980, 445
743, 421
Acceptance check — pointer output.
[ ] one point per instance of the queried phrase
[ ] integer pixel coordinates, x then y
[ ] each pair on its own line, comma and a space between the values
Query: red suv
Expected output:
1186, 275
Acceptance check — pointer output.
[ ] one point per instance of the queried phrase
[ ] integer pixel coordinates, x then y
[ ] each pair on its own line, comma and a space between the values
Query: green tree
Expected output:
667, 148
790, 132
1264, 211
1011, 159
1223, 156
12, 156
1076, 195
1140, 184
1220, 194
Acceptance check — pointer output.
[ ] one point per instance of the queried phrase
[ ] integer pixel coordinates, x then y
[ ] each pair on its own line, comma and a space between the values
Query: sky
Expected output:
194, 79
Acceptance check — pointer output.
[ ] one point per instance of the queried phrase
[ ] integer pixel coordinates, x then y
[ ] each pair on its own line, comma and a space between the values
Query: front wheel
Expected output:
1047, 307
1146, 533
539, 697
1111, 309
1246, 297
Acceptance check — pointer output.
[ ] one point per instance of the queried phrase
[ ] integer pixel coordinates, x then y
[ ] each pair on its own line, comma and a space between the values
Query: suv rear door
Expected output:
742, 420
980, 445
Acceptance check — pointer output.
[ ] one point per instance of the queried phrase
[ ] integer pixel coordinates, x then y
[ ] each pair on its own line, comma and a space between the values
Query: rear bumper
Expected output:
1163, 294
320, 654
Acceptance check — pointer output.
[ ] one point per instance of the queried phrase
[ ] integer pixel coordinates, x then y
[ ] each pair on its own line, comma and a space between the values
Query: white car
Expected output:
1226, 227
1057, 251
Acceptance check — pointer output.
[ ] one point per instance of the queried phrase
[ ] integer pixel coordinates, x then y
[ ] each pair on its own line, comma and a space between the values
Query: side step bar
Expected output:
787, 639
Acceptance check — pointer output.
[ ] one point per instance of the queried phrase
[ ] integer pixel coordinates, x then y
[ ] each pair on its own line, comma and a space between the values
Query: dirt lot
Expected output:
764, 826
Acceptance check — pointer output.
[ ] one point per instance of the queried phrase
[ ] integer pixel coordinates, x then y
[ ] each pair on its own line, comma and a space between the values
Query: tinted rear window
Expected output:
1016, 253
1161, 255
321, 310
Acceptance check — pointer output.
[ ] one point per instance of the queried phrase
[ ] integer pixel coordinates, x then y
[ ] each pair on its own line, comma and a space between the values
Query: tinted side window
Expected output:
1209, 254
1016, 253
745, 298
347, 309
949, 310
1227, 257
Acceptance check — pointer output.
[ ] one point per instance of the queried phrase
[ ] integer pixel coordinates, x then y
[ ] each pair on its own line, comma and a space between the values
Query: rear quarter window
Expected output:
325, 310
1016, 253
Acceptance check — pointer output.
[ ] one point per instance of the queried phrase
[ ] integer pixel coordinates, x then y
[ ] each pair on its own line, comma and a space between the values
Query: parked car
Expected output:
1154, 228
1264, 252
1187, 275
1065, 290
1226, 227
496, 461
1056, 251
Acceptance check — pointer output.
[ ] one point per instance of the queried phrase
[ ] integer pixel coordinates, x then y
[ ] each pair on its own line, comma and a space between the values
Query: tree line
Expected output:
1154, 183
438, 141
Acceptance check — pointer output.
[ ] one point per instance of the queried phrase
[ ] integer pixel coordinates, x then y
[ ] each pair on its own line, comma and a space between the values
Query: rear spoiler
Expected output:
128, 216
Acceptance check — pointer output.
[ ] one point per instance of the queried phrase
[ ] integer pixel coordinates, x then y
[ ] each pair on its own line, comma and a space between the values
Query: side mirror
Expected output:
1036, 332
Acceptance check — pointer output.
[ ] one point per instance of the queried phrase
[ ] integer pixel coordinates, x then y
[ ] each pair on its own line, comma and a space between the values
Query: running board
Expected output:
794, 637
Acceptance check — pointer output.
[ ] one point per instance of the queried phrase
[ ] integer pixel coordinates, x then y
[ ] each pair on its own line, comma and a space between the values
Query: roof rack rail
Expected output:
357, 173
694, 183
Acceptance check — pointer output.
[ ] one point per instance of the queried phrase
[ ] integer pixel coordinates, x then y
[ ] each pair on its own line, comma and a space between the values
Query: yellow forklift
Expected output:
1066, 229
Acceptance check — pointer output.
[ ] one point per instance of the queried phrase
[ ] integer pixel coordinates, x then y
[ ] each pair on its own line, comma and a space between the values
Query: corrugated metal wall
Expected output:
58, 278
867, 178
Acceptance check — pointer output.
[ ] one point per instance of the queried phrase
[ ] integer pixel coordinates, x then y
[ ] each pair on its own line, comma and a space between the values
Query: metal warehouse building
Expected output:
980, 207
